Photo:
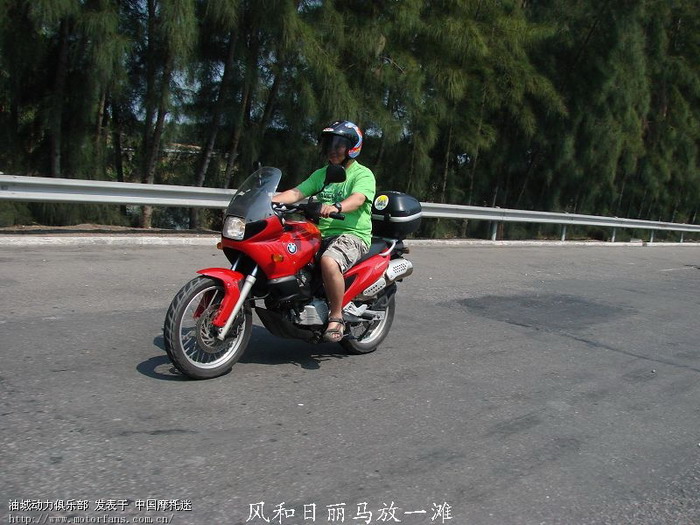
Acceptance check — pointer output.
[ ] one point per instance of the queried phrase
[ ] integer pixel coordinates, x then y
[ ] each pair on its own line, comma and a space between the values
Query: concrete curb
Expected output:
211, 240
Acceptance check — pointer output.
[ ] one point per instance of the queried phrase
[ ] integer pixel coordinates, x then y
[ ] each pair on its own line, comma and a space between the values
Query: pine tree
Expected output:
587, 106
666, 183
220, 36
599, 67
170, 31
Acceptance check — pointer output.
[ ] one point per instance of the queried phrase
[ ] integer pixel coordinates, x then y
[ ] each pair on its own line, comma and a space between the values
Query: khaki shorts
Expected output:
345, 249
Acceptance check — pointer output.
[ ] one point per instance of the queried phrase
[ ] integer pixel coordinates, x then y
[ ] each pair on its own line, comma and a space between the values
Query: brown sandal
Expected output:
334, 335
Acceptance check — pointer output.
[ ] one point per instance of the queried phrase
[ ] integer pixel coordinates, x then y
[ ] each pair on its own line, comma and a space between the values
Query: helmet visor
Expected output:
334, 144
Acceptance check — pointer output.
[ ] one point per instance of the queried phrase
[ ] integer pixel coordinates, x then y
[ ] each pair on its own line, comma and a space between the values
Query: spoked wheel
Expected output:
366, 337
190, 337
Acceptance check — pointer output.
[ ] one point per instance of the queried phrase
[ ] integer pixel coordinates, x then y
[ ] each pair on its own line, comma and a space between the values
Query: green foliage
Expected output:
14, 213
589, 107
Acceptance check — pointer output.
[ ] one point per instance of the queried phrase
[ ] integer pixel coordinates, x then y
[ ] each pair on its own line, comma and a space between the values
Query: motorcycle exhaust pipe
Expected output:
398, 269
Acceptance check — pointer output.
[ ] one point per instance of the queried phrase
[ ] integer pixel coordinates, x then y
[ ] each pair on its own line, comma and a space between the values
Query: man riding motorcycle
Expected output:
273, 249
346, 241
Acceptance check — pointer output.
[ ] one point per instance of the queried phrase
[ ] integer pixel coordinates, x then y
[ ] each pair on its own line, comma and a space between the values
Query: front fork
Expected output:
235, 295
245, 290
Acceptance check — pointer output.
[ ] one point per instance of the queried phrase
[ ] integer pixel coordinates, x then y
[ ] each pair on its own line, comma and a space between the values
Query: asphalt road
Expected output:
518, 385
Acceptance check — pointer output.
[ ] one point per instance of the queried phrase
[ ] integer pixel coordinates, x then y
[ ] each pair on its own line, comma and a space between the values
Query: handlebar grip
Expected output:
339, 216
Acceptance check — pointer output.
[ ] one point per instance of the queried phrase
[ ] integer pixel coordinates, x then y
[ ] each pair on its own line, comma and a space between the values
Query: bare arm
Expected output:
289, 196
353, 202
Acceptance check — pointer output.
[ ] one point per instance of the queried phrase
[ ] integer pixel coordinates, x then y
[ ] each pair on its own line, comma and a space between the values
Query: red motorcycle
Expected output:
273, 252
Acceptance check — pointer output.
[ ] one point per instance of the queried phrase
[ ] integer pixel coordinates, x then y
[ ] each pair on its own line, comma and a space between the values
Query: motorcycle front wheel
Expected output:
365, 338
190, 337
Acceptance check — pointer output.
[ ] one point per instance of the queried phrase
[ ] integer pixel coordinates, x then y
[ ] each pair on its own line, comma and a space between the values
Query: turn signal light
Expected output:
277, 257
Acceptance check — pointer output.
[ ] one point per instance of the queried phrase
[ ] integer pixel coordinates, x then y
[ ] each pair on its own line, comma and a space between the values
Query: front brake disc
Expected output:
207, 333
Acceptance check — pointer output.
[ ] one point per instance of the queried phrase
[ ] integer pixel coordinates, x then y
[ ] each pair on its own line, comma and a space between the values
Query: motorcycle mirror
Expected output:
334, 173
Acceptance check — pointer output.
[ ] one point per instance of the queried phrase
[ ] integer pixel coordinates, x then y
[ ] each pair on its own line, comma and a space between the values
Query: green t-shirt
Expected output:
359, 179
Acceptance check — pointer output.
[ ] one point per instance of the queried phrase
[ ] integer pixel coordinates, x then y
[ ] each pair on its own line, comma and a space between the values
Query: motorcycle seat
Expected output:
378, 246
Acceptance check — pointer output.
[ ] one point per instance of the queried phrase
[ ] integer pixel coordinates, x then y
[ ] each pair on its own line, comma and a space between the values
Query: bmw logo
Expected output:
292, 248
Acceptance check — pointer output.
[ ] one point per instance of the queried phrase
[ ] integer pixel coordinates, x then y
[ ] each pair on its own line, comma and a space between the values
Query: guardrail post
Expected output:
613, 235
682, 236
494, 230
651, 237
563, 232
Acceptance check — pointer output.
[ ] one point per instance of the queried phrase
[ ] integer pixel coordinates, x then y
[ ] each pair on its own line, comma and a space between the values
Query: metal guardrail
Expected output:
498, 215
46, 189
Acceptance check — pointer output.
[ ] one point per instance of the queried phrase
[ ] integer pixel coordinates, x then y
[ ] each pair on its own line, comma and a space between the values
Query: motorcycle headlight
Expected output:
234, 228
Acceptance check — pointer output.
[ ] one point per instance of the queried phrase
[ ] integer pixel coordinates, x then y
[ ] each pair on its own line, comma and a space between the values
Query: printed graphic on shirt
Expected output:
332, 195
359, 179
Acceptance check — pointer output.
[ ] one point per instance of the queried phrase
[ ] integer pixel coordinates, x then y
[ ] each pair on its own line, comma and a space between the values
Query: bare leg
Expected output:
335, 287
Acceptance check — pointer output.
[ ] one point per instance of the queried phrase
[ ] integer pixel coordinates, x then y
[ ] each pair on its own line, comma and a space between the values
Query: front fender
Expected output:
232, 282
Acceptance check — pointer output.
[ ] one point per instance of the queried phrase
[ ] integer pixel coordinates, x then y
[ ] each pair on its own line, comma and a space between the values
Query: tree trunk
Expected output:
235, 140
380, 152
144, 154
99, 135
149, 98
382, 143
246, 104
154, 150
446, 171
622, 193
589, 34
117, 142
217, 116
675, 210
248, 141
59, 87
216, 120
472, 171
412, 167
650, 211
641, 205
154, 153
117, 135
530, 169
270, 104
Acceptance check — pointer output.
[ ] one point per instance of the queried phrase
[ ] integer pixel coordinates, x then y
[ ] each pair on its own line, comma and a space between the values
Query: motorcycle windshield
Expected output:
252, 201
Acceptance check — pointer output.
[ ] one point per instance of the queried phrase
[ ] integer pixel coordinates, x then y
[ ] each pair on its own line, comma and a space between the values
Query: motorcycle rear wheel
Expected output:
190, 337
367, 339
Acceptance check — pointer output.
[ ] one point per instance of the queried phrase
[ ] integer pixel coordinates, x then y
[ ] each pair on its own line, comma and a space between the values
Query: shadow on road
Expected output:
160, 367
266, 349
263, 348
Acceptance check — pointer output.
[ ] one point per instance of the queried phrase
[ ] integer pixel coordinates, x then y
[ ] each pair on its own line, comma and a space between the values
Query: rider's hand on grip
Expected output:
331, 211
313, 208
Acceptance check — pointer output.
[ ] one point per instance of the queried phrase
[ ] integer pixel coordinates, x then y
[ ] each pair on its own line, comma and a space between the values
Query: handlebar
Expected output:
308, 210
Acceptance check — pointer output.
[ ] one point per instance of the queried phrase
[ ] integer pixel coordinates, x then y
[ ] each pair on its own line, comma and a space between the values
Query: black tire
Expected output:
368, 340
190, 337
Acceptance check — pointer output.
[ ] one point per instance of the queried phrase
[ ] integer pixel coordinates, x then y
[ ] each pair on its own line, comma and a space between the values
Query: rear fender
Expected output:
232, 282
365, 273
